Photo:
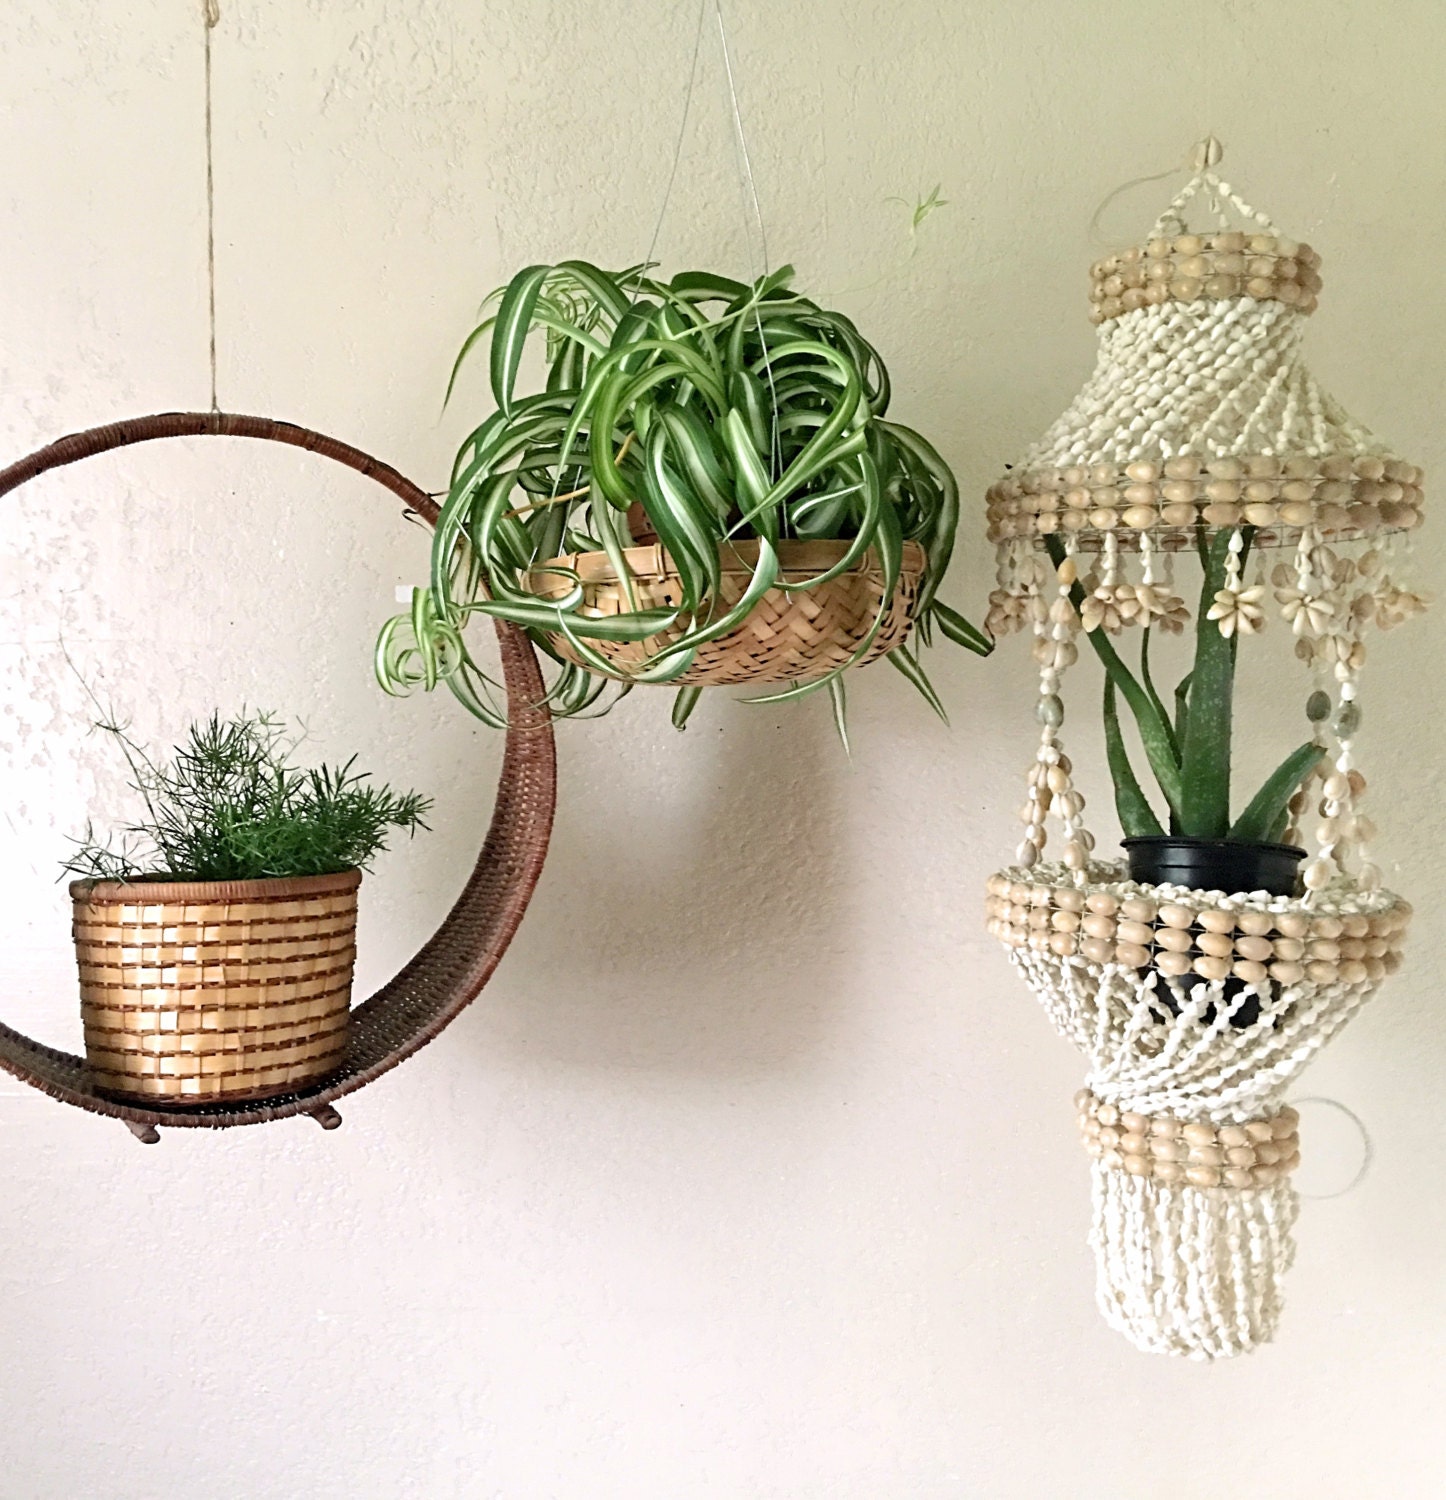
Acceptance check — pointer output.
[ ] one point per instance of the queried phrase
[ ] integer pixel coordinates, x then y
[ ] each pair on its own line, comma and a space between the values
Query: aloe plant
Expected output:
724, 411
1189, 752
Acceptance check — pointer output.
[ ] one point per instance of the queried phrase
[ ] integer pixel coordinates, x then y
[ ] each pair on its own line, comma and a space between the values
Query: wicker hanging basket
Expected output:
789, 636
215, 990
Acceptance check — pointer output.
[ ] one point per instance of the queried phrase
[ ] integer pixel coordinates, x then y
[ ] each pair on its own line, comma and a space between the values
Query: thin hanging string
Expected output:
1096, 234
682, 136
741, 135
210, 18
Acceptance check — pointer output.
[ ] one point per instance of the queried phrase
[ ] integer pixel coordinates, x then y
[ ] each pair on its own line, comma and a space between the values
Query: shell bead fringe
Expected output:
1182, 1110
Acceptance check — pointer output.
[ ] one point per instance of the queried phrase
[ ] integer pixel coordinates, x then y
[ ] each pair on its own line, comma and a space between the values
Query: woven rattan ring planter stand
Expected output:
449, 972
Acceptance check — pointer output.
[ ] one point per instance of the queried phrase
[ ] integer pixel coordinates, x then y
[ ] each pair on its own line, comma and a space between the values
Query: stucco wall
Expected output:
753, 1174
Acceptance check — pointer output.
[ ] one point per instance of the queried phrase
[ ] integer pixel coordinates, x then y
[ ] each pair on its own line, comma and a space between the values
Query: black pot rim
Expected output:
1166, 841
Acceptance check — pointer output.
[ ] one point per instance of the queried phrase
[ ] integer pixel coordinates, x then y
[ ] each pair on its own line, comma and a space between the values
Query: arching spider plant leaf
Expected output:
513, 324
902, 661
684, 703
725, 411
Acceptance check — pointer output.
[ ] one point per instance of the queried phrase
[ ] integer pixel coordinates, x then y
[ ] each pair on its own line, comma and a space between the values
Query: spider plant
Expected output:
707, 408
1189, 752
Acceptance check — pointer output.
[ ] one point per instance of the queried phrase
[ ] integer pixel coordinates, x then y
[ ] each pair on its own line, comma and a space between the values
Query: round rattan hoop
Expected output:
450, 970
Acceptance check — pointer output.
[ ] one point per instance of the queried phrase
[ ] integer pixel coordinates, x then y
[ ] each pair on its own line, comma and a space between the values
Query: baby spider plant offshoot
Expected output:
699, 454
230, 805
1188, 750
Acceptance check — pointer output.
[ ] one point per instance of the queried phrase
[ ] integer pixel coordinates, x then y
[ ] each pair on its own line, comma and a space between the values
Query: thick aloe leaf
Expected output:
1137, 817
1257, 824
1204, 811
1154, 730
1148, 683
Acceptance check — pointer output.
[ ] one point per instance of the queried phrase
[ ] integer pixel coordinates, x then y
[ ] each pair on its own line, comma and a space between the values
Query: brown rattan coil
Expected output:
195, 991
788, 636
451, 969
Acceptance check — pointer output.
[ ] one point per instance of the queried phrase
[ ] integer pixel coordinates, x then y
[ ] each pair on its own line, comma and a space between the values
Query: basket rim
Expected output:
166, 892
795, 555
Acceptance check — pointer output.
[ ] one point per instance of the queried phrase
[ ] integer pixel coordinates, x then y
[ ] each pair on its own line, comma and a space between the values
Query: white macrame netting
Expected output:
1184, 1269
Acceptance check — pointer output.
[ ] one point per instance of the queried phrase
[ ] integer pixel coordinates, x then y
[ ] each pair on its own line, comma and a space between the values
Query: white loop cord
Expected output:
1201, 162
1368, 1147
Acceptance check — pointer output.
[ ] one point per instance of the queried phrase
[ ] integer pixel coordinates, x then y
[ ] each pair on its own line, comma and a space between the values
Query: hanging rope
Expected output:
210, 18
742, 137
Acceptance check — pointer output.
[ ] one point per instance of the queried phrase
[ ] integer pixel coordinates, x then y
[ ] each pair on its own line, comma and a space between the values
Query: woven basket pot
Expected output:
214, 990
787, 637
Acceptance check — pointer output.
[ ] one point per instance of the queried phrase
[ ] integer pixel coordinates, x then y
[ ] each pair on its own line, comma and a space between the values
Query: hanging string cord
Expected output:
678, 146
210, 17
740, 135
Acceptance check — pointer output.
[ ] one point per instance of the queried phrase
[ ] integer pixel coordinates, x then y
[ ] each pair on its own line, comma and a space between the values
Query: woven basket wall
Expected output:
788, 636
215, 989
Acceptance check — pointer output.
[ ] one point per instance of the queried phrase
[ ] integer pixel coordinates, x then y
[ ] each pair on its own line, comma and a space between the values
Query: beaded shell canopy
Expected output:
1201, 416
1196, 1010
1201, 406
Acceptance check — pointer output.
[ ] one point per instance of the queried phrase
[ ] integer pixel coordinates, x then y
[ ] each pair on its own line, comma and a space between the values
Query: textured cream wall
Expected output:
753, 1175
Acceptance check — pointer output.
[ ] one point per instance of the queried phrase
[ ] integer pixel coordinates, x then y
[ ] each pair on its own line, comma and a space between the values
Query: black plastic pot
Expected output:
1214, 865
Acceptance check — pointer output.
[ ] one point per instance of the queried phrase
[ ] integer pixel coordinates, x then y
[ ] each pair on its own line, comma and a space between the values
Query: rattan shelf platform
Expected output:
451, 969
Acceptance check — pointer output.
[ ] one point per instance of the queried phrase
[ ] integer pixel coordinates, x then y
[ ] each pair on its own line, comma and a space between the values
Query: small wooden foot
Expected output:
147, 1135
326, 1117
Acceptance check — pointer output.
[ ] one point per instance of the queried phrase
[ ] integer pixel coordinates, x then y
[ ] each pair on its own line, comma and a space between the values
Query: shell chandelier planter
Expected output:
1201, 440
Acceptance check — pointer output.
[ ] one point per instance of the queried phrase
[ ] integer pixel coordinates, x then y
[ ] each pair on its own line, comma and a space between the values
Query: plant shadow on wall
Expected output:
704, 894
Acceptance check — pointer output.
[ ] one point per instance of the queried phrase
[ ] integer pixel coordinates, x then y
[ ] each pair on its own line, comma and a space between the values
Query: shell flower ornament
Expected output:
1199, 975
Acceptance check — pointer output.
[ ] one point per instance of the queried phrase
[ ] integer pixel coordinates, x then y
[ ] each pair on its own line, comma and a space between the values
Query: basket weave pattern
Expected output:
215, 990
787, 637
